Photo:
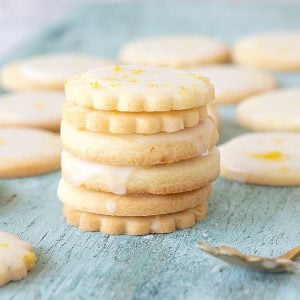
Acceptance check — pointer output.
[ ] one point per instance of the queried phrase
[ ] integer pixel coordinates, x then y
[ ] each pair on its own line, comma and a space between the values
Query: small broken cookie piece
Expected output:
16, 258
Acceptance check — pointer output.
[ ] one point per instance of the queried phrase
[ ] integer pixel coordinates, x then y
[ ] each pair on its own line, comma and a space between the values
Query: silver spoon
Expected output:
282, 263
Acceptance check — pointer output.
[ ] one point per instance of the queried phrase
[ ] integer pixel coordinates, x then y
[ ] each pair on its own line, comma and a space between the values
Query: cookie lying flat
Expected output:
262, 158
276, 110
135, 225
31, 109
130, 204
47, 72
139, 88
273, 50
27, 152
212, 111
234, 83
16, 258
139, 149
178, 177
130, 122
174, 51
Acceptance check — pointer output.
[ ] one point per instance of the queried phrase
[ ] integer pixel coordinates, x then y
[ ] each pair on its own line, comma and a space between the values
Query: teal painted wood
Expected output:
258, 220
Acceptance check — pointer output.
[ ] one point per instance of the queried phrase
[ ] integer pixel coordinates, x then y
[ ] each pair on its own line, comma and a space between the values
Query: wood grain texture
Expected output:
257, 220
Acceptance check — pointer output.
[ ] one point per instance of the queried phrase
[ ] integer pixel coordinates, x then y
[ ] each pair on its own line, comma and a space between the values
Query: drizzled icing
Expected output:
117, 176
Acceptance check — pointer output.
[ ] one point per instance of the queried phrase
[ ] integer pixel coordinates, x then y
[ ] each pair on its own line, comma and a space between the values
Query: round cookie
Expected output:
273, 50
130, 122
139, 149
47, 72
130, 204
27, 152
262, 158
16, 258
178, 177
278, 110
213, 112
31, 109
139, 88
234, 83
135, 225
174, 51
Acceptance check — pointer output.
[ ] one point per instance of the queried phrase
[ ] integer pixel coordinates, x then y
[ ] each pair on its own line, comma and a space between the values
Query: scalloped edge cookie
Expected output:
33, 73
16, 258
177, 51
139, 149
183, 176
103, 203
135, 225
135, 88
130, 122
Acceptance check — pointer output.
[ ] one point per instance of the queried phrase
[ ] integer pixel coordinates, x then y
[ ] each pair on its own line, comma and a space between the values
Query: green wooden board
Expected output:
257, 220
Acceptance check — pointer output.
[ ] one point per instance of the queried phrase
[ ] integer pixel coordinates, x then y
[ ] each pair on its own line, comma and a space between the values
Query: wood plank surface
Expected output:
258, 220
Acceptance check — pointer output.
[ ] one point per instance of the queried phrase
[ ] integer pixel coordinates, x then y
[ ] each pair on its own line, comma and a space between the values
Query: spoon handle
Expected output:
291, 254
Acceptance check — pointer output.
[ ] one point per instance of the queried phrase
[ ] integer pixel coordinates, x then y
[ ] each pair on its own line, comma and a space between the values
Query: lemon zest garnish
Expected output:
29, 259
182, 89
152, 85
3, 244
95, 84
133, 80
137, 71
114, 85
117, 68
270, 155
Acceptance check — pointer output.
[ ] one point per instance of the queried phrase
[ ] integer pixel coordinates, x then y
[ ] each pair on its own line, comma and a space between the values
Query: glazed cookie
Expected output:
139, 88
31, 109
130, 122
47, 72
135, 225
27, 152
16, 258
178, 177
273, 50
174, 51
234, 83
130, 204
262, 158
276, 110
139, 149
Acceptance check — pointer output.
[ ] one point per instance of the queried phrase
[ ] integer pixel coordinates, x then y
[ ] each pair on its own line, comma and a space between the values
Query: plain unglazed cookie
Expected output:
177, 177
135, 225
234, 83
131, 122
278, 110
273, 50
16, 258
139, 149
27, 152
174, 51
135, 88
103, 203
262, 158
47, 72
31, 109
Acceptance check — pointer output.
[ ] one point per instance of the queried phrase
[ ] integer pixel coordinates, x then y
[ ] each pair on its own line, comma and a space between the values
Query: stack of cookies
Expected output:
139, 150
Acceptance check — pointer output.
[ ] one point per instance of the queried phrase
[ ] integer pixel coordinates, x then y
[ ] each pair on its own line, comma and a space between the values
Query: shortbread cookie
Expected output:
27, 152
178, 177
47, 72
174, 51
273, 50
103, 203
139, 149
31, 109
139, 88
135, 225
16, 258
262, 158
130, 122
234, 83
276, 110
212, 111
